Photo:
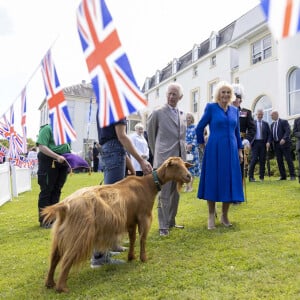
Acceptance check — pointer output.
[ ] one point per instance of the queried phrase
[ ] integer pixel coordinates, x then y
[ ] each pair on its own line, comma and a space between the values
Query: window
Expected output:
265, 104
174, 66
157, 77
157, 93
195, 71
213, 61
213, 41
294, 92
195, 52
261, 49
147, 83
195, 99
211, 90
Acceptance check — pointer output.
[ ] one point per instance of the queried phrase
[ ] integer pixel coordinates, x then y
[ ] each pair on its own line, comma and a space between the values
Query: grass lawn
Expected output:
258, 258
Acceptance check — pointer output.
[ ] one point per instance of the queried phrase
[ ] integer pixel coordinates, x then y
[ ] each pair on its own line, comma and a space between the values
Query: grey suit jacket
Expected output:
166, 137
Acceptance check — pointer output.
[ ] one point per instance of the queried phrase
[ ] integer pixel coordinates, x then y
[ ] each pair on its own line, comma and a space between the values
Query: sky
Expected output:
152, 33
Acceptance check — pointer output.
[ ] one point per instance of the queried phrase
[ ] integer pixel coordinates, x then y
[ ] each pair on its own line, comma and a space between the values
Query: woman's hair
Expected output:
221, 85
192, 117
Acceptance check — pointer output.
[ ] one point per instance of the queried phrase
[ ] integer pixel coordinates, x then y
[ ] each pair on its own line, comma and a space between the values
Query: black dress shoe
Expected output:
281, 178
252, 180
293, 178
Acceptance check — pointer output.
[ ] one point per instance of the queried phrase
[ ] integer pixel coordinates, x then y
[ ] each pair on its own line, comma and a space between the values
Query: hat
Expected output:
238, 90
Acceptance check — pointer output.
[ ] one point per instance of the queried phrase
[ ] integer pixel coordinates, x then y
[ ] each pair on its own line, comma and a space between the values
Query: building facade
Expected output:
243, 52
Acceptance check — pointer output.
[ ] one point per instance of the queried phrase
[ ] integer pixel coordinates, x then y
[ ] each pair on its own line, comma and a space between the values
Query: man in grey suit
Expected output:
166, 128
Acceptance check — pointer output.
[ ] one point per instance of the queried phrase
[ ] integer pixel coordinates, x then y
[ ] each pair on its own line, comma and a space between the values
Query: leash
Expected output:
156, 180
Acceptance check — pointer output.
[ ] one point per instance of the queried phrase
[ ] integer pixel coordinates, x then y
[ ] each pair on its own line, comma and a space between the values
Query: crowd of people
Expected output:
218, 146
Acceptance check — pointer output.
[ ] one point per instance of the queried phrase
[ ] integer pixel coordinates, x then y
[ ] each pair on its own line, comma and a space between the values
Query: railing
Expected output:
5, 190
14, 180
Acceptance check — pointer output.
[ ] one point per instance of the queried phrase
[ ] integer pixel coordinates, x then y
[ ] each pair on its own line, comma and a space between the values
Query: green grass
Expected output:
258, 258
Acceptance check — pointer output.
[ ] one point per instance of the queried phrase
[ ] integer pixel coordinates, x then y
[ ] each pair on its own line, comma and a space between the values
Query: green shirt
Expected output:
46, 138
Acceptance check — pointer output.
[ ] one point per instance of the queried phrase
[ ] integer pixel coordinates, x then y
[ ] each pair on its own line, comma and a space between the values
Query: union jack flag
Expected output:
283, 16
63, 131
23, 119
3, 152
15, 140
4, 128
115, 87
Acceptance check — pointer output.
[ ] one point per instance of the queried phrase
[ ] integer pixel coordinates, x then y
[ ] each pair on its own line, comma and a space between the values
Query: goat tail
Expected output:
52, 212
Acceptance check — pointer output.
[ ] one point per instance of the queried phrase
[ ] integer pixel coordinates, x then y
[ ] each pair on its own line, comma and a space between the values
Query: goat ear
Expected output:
170, 162
188, 165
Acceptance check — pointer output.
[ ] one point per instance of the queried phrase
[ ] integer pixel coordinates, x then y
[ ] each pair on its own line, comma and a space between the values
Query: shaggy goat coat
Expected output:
96, 217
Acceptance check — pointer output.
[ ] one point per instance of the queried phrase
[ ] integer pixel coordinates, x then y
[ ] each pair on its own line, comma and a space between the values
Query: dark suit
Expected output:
247, 129
258, 150
283, 132
296, 133
247, 125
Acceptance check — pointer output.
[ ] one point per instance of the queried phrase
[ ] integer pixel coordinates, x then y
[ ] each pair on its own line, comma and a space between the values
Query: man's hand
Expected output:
61, 159
146, 167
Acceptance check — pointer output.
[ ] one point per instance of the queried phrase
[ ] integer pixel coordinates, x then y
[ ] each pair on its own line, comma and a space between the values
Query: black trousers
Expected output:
96, 164
280, 152
258, 154
51, 178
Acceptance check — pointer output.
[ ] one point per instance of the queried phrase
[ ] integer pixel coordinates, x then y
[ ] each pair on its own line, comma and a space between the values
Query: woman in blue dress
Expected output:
192, 148
221, 179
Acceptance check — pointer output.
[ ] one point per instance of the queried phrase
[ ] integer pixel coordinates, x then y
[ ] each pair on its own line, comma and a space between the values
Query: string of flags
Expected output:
114, 85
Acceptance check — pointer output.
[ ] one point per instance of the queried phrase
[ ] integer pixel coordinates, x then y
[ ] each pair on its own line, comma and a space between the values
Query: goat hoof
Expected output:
62, 289
49, 284
131, 257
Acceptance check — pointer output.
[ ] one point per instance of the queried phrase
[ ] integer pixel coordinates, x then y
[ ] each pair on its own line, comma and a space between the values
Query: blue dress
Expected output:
221, 178
191, 138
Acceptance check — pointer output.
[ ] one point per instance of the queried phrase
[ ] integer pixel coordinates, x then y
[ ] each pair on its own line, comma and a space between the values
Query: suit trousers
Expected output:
280, 152
168, 201
258, 154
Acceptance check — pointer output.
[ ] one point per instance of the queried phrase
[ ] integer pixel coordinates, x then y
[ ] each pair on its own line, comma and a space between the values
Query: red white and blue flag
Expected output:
23, 119
63, 131
3, 152
283, 17
15, 139
115, 87
4, 128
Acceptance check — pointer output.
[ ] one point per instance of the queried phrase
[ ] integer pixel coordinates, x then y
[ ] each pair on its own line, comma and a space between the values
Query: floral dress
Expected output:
191, 138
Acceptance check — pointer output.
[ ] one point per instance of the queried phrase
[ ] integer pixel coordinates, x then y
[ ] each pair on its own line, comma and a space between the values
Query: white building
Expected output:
243, 52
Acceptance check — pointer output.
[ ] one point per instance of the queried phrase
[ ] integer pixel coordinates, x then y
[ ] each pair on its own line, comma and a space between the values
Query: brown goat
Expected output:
96, 217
